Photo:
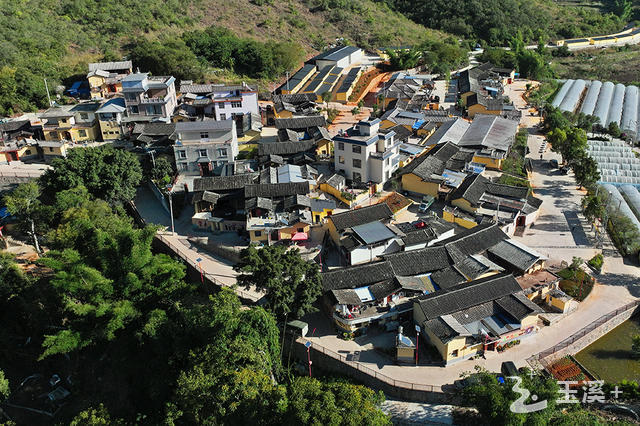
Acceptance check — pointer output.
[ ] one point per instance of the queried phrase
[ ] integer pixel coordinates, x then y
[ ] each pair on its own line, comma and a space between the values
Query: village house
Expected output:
110, 116
476, 316
219, 101
149, 98
76, 123
363, 154
201, 146
105, 78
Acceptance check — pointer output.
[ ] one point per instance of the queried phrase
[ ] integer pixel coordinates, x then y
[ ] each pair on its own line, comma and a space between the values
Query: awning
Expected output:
300, 236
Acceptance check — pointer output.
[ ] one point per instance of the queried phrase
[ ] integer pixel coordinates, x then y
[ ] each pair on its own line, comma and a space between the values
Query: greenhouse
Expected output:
617, 162
632, 196
604, 101
573, 96
615, 110
562, 93
589, 103
630, 112
617, 203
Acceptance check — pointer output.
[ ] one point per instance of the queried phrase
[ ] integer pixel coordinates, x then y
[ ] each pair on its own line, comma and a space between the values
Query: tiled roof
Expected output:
361, 216
154, 129
223, 183
208, 196
357, 276
514, 254
467, 295
270, 190
433, 163
447, 278
449, 131
490, 131
384, 289
421, 261
346, 296
110, 66
285, 148
300, 122
517, 306
509, 191
13, 126
471, 189
473, 241
476, 265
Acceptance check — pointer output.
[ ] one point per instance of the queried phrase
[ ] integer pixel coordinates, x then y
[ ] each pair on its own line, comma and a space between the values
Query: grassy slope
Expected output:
614, 64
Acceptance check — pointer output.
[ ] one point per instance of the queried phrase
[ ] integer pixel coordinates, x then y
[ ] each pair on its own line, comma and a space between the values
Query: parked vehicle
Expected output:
553, 164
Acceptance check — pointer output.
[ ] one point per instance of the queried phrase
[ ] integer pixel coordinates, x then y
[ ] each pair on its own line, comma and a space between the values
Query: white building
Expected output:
203, 145
363, 154
149, 98
219, 101
341, 57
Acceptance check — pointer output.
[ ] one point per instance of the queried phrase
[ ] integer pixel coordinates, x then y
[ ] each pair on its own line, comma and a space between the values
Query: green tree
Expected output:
614, 130
170, 56
586, 171
334, 403
291, 283
95, 417
4, 387
493, 400
594, 205
159, 170
326, 98
107, 173
23, 203
635, 346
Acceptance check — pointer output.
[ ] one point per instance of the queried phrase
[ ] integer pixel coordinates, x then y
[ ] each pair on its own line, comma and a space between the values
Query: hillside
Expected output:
55, 39
494, 22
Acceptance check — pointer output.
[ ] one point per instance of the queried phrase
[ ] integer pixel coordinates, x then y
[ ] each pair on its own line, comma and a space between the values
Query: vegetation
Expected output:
596, 262
617, 64
106, 172
575, 282
494, 22
24, 204
635, 346
291, 283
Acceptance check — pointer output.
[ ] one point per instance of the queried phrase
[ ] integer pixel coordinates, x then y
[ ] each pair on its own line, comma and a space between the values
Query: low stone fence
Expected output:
326, 360
587, 335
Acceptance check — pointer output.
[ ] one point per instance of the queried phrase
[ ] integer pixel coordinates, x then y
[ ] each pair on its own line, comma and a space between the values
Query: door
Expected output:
357, 177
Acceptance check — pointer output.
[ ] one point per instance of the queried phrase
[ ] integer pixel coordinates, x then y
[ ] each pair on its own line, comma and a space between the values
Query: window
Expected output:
300, 229
154, 110
357, 149
257, 233
50, 149
204, 135
386, 162
202, 152
130, 96
454, 353
221, 105
357, 163
223, 116
182, 154
27, 152
236, 104
341, 159
222, 152
84, 116
357, 177
341, 146
82, 133
133, 109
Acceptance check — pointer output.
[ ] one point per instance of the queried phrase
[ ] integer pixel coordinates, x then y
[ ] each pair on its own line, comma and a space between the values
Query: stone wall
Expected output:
582, 342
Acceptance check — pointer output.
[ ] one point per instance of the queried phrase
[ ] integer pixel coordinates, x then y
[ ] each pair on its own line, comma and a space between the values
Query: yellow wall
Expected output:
324, 147
464, 96
288, 233
96, 81
283, 114
480, 109
449, 216
492, 163
264, 236
386, 124
55, 151
324, 213
110, 130
333, 191
333, 232
405, 354
250, 136
92, 133
413, 183
463, 204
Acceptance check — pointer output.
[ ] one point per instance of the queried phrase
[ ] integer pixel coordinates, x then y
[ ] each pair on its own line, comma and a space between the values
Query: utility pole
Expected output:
46, 86
169, 188
287, 81
417, 343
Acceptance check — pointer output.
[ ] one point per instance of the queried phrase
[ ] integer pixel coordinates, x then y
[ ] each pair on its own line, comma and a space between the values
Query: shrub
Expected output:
596, 262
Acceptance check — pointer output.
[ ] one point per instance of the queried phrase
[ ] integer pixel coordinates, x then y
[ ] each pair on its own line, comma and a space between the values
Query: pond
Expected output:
610, 356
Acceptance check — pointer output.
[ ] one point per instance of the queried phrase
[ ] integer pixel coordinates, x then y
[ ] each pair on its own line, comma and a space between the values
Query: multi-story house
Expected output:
105, 78
76, 123
149, 98
363, 154
203, 145
219, 101
110, 116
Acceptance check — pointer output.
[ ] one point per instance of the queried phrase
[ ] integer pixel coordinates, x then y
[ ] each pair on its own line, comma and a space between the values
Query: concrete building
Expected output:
363, 154
219, 101
105, 78
149, 98
110, 116
202, 145
341, 56
76, 123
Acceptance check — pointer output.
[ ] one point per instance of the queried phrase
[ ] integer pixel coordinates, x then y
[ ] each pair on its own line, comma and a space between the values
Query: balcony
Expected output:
154, 99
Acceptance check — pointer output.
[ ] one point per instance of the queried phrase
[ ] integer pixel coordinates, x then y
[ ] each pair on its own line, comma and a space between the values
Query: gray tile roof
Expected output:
476, 265
490, 131
300, 122
517, 306
154, 129
471, 189
421, 261
208, 196
357, 276
432, 164
447, 278
346, 296
270, 190
473, 241
110, 66
509, 191
467, 295
285, 148
361, 216
450, 131
194, 126
223, 183
518, 257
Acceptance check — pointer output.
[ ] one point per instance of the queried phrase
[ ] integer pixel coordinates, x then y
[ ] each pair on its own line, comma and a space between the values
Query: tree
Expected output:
95, 417
614, 130
635, 346
586, 171
594, 205
4, 387
326, 98
493, 400
170, 56
24, 202
159, 170
334, 403
107, 173
291, 283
